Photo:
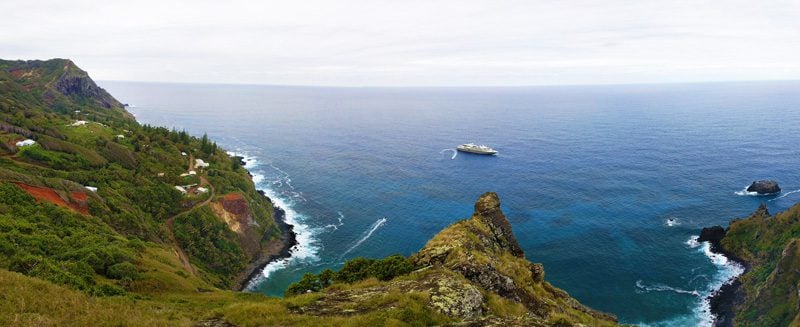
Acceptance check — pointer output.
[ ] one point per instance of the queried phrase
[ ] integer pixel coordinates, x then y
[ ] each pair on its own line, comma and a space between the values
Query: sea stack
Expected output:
764, 187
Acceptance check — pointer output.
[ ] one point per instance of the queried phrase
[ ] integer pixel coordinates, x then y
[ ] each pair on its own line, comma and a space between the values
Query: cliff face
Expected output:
769, 291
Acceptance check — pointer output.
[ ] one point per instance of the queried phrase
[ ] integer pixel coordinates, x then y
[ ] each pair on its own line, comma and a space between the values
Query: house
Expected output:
192, 172
120, 136
26, 142
181, 189
91, 188
79, 123
200, 163
202, 190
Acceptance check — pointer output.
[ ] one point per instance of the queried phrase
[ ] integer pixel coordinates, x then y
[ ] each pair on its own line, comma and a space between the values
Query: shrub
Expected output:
354, 270
123, 270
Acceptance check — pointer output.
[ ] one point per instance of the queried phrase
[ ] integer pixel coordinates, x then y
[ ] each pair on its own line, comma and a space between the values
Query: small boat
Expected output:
477, 149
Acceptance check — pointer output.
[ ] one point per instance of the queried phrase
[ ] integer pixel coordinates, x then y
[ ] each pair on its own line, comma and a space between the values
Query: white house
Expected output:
91, 188
120, 136
202, 190
79, 123
26, 142
192, 172
200, 163
181, 189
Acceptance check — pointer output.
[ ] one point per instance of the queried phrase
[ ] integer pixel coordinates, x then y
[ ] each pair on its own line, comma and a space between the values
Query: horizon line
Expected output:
457, 86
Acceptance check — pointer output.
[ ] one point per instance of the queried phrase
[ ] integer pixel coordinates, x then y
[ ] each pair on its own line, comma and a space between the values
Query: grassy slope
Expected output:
119, 265
770, 245
135, 175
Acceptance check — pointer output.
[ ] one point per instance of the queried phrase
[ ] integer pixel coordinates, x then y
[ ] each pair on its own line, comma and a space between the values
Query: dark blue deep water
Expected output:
588, 176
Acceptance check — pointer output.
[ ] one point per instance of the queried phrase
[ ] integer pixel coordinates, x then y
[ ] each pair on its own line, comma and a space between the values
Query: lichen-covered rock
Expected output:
484, 251
487, 209
537, 272
456, 299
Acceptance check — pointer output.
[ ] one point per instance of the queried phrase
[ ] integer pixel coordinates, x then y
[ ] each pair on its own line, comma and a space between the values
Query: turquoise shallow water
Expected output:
588, 176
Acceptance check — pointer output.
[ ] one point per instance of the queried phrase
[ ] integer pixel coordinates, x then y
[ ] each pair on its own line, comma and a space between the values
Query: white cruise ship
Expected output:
478, 149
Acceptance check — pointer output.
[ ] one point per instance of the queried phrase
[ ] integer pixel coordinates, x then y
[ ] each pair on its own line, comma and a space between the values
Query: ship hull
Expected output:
488, 153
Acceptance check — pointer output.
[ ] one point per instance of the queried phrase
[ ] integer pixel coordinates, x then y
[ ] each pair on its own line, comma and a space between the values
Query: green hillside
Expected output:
769, 289
107, 222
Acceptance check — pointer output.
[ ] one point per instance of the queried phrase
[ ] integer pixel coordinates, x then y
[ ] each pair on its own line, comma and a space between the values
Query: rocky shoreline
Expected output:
724, 300
278, 249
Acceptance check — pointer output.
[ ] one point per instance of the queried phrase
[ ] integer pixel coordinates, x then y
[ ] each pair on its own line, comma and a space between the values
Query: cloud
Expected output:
386, 43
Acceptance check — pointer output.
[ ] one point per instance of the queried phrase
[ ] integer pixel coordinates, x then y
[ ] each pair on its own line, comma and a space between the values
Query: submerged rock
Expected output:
764, 187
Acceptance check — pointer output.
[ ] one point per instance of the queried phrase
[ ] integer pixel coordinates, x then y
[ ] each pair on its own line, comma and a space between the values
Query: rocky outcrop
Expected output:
712, 234
75, 83
484, 251
487, 209
764, 187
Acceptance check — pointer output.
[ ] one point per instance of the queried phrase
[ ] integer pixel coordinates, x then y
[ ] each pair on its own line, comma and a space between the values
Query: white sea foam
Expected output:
693, 243
701, 315
364, 236
727, 271
672, 221
340, 224
785, 195
744, 192
307, 245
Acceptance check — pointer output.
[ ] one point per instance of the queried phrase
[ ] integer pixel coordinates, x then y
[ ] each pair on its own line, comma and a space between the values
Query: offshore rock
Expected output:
764, 187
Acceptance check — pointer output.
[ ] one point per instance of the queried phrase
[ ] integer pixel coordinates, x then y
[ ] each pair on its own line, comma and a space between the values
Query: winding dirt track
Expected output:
171, 221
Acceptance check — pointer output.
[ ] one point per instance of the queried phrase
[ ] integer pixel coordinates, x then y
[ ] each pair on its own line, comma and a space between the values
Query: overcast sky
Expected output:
411, 43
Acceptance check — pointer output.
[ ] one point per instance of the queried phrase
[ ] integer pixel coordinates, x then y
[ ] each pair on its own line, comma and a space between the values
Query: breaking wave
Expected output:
307, 245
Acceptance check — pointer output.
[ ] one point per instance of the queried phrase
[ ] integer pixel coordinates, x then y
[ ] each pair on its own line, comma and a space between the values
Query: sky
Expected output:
410, 42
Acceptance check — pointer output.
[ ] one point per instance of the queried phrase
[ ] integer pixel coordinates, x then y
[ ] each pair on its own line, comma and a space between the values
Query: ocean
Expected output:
603, 185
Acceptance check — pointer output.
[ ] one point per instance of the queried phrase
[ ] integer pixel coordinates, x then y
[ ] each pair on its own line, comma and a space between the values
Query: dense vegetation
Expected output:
354, 270
95, 241
769, 244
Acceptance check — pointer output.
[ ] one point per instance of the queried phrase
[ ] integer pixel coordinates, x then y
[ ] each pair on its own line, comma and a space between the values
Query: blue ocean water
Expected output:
589, 176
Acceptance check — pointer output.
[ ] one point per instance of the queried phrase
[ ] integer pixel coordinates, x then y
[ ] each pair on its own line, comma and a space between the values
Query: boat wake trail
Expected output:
364, 236
455, 153
664, 288
784, 195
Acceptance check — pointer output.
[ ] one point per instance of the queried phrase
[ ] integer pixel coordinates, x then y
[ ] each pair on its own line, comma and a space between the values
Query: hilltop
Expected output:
105, 221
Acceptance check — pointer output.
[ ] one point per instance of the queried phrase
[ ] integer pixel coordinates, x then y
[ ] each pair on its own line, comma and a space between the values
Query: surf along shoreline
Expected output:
278, 249
723, 301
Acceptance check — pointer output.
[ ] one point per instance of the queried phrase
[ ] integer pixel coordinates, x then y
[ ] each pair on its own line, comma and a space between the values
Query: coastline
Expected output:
276, 250
722, 302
